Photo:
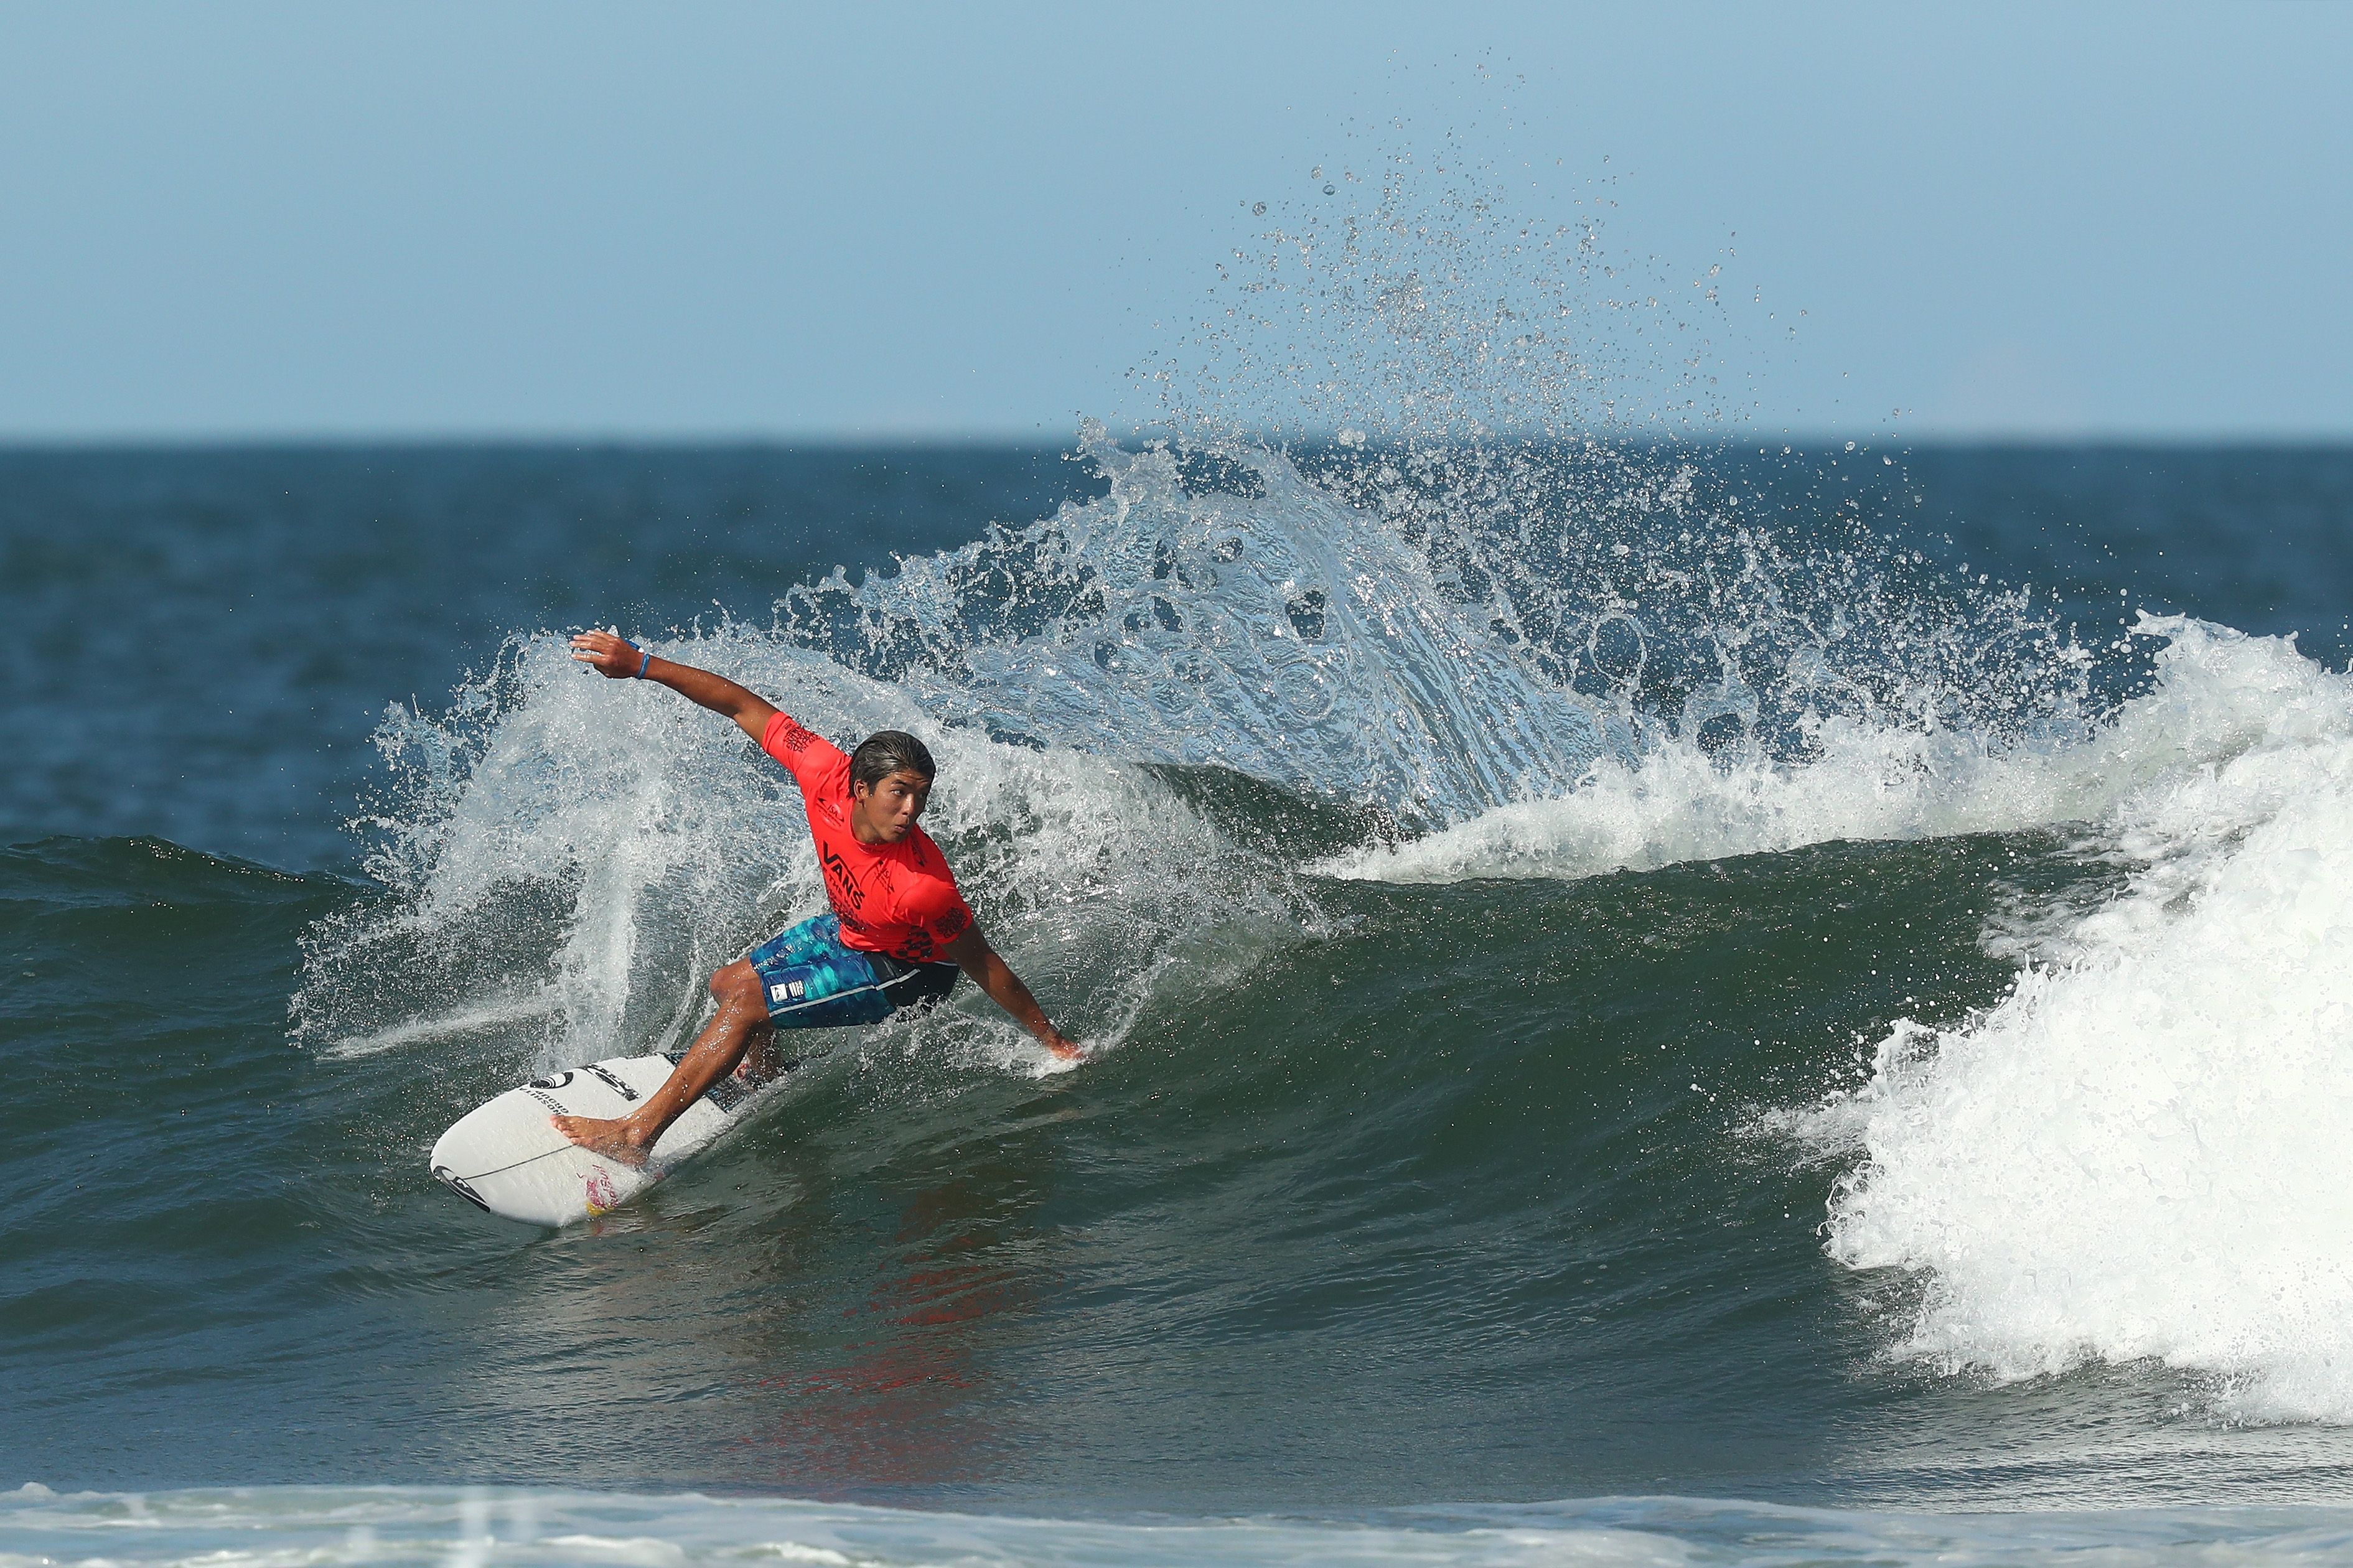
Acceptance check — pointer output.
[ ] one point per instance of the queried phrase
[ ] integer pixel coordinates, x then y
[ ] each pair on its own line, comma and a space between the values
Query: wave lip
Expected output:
2139, 1154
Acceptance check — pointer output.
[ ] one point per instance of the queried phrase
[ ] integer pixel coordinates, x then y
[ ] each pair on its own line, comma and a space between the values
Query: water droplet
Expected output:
1331, 190
1257, 209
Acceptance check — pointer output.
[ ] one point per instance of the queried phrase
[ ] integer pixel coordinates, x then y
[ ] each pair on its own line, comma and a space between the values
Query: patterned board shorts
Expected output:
813, 982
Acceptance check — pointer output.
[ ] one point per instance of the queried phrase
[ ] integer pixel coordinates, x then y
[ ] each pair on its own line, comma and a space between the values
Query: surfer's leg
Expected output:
743, 1015
759, 1063
755, 1067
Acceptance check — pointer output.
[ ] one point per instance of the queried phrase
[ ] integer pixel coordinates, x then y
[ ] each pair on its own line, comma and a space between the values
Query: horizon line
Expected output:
1003, 439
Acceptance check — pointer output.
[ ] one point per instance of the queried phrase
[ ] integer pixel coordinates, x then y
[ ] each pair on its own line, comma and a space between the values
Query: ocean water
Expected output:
1691, 1002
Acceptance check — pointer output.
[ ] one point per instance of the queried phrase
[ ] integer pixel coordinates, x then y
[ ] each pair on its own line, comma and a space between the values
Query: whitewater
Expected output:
2133, 1154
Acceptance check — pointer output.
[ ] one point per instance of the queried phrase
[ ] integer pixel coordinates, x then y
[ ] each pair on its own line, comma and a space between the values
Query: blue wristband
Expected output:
645, 664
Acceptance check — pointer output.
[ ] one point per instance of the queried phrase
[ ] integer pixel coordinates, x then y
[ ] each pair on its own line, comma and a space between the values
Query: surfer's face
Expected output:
888, 810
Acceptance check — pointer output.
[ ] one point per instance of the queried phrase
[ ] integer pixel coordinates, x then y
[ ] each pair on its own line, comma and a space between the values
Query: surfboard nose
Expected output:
506, 1158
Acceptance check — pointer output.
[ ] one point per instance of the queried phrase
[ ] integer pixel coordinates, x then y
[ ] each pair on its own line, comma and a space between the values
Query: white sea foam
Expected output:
2214, 697
2140, 1153
1284, 634
268, 1527
470, 1020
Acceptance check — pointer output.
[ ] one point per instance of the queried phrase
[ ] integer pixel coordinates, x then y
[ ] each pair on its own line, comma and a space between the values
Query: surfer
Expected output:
899, 932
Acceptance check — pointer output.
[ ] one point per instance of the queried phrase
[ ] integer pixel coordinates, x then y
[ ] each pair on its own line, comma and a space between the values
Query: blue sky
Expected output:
589, 220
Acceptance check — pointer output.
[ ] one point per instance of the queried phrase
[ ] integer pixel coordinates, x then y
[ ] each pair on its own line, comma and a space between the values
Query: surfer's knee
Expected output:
739, 981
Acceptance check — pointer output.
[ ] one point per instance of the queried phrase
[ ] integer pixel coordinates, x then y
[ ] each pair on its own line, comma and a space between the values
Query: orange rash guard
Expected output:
896, 898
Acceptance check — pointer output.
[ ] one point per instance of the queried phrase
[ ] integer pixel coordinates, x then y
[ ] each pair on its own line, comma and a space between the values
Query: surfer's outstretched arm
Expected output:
973, 954
615, 659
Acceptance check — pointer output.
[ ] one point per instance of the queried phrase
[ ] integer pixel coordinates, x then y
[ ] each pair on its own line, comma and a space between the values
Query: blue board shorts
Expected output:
813, 982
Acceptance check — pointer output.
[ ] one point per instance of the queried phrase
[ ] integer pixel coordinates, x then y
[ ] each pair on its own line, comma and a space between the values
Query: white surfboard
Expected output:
504, 1156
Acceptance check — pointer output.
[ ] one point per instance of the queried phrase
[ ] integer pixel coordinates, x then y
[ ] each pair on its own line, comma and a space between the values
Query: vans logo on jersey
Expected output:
845, 884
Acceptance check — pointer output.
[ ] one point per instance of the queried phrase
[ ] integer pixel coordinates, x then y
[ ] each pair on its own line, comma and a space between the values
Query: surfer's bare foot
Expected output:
616, 1140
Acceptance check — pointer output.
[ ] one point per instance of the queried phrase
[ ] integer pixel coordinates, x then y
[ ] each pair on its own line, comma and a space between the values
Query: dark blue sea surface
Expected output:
1805, 977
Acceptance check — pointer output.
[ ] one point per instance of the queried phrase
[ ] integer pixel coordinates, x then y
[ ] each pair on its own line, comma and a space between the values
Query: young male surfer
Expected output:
899, 932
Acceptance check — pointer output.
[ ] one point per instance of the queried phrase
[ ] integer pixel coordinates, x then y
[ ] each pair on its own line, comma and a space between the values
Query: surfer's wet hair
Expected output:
888, 751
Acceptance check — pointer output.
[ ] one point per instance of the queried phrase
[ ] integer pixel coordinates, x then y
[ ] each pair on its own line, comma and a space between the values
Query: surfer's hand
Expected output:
1069, 1050
608, 655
